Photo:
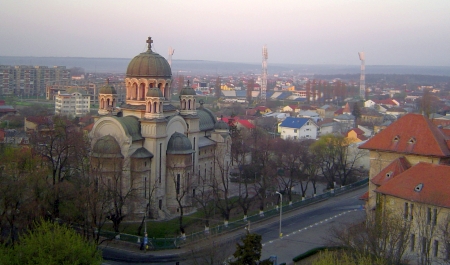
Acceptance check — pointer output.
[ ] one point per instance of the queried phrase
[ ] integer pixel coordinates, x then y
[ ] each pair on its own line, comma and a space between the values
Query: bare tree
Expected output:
387, 237
182, 182
221, 184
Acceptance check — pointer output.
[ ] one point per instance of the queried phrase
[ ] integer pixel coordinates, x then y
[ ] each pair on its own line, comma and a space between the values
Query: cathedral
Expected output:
155, 149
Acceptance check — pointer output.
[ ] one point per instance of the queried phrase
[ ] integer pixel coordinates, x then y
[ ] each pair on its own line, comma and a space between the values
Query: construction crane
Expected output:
171, 51
265, 56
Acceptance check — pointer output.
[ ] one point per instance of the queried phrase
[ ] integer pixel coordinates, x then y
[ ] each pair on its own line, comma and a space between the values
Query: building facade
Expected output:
163, 151
25, 80
75, 104
298, 128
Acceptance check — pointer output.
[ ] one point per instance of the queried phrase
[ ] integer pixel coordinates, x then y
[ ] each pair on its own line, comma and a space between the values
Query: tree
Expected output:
221, 184
250, 252
51, 243
386, 237
335, 159
182, 184
23, 191
217, 88
356, 111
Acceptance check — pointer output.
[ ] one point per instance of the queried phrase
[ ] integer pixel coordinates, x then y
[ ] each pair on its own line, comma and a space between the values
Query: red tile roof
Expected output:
411, 134
395, 168
39, 119
425, 183
247, 124
365, 196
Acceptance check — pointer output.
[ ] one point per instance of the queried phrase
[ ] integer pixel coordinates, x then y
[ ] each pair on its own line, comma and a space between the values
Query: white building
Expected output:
298, 128
74, 104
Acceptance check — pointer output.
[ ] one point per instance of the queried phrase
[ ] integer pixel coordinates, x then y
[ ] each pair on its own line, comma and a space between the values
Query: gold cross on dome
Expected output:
149, 41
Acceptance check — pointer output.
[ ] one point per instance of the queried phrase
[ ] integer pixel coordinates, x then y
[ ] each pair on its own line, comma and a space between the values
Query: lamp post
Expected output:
281, 209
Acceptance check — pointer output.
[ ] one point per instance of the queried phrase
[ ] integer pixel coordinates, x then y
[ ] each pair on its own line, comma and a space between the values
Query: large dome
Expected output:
149, 64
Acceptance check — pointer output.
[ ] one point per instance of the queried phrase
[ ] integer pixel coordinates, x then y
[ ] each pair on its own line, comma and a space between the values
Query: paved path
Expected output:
304, 228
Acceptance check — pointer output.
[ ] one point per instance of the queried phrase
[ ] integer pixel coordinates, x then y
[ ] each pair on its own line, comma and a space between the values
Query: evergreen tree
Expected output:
250, 252
356, 111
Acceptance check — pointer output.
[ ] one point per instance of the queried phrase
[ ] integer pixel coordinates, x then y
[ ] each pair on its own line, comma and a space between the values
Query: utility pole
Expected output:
265, 56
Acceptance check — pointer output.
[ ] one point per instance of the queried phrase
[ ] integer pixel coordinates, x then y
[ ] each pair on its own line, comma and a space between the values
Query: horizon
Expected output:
322, 32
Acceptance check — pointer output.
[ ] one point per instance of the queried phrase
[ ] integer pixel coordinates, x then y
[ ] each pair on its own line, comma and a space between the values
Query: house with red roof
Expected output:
240, 123
409, 177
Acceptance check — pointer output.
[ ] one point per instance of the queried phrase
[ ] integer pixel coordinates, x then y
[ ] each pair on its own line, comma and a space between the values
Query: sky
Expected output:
390, 32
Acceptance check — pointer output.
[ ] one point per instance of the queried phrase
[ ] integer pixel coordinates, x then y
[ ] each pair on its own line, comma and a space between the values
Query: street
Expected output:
302, 229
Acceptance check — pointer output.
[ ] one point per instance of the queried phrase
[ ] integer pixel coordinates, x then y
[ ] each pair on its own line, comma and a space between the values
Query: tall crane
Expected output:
362, 79
171, 51
265, 56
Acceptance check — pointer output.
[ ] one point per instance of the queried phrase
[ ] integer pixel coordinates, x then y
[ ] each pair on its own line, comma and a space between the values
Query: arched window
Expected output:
135, 91
102, 103
167, 91
141, 91
107, 103
148, 107
155, 107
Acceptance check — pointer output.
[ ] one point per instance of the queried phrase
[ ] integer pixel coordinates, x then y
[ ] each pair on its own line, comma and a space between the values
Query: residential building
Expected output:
408, 177
26, 81
345, 122
75, 104
298, 128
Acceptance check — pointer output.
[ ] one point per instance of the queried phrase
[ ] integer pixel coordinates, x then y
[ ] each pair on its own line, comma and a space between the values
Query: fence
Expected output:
171, 243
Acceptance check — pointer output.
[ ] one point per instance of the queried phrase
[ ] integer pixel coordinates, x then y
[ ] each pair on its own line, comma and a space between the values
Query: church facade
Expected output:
158, 151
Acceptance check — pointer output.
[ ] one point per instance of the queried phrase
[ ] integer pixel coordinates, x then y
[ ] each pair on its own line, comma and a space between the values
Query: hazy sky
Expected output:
391, 32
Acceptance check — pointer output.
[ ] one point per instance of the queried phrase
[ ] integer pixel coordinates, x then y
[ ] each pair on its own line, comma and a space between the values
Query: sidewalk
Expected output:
117, 250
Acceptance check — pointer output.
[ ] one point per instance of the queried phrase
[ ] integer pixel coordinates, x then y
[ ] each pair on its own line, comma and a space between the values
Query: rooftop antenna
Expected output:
265, 56
362, 79
171, 51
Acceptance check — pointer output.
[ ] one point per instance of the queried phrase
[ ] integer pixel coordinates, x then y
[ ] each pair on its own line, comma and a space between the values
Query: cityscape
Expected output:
167, 148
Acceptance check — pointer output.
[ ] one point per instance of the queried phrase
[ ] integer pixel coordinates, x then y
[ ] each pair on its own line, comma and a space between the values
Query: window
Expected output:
412, 242
405, 211
424, 245
435, 248
428, 215
295, 131
193, 193
434, 220
160, 204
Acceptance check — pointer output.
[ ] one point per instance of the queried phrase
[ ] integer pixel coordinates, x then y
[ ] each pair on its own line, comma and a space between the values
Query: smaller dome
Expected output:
154, 92
221, 125
179, 144
187, 91
142, 153
106, 147
107, 89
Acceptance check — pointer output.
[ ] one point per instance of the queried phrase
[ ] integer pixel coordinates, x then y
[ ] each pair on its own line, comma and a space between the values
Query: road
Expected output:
302, 229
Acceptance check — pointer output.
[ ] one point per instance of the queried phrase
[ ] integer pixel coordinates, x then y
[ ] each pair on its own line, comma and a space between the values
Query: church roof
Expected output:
154, 92
142, 153
205, 141
179, 144
107, 88
149, 64
207, 119
131, 126
106, 147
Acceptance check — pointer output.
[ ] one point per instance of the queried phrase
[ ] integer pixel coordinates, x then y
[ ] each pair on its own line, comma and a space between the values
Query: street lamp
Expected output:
281, 209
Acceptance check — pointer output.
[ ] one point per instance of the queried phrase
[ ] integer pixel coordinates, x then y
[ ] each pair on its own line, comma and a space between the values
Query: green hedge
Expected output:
313, 251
